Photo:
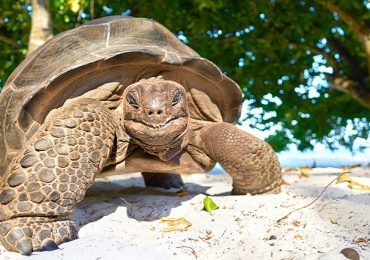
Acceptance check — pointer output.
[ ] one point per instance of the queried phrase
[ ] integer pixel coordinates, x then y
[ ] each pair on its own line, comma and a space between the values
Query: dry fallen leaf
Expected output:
362, 240
175, 224
207, 236
286, 169
182, 193
296, 223
352, 184
347, 168
305, 172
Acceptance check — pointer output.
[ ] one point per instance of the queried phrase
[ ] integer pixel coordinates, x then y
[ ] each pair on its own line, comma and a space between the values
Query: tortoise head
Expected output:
156, 116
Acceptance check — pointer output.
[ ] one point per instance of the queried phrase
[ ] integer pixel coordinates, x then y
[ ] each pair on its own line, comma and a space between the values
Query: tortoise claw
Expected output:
25, 246
48, 245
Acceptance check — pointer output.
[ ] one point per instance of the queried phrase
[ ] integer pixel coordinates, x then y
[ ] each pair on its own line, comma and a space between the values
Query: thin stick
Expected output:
312, 202
127, 202
192, 250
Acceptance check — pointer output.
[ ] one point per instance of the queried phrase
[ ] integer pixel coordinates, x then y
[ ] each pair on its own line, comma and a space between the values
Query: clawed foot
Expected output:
28, 234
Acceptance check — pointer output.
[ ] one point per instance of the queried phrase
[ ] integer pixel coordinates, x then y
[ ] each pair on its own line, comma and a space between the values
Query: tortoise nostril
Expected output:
155, 112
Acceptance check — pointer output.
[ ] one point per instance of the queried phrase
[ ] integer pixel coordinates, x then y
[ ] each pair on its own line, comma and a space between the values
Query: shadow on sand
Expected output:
142, 204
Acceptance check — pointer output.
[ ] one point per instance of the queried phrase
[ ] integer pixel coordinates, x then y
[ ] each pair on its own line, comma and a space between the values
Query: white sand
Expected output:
109, 228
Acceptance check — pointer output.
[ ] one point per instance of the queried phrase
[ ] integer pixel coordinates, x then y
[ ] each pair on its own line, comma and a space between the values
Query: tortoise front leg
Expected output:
51, 174
251, 162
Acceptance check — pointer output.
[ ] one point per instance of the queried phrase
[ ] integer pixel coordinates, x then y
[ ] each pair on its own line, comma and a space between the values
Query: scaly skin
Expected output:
54, 169
156, 116
51, 174
251, 162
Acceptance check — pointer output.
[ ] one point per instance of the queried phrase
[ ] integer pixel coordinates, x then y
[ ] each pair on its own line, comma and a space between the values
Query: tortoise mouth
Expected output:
157, 134
165, 123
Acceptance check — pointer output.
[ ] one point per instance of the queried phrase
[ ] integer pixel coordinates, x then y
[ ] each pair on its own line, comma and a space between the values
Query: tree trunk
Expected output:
356, 90
41, 30
367, 49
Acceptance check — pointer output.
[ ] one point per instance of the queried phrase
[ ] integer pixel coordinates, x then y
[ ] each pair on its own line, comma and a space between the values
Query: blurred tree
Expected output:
303, 65
40, 25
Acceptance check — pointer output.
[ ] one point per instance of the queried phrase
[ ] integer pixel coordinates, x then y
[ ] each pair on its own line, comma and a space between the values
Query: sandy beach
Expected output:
120, 219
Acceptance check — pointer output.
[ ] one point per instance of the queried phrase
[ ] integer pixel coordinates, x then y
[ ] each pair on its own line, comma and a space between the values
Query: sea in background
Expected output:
322, 157
319, 157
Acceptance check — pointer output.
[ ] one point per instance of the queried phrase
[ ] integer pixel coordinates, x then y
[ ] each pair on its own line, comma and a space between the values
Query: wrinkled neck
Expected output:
167, 151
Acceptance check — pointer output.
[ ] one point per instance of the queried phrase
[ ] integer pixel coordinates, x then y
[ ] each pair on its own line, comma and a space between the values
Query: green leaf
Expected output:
74, 5
209, 205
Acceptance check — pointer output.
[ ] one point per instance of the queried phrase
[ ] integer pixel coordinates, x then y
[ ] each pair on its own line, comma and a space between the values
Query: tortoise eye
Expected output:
132, 101
176, 99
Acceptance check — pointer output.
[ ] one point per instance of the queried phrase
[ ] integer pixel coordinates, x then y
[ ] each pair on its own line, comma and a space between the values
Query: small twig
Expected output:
192, 250
312, 202
127, 202
8, 40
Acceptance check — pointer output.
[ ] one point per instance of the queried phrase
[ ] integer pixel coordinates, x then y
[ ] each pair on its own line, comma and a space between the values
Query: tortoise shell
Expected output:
110, 49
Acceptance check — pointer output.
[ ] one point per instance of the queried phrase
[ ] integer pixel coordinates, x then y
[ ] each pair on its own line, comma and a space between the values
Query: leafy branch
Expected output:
329, 58
361, 30
8, 40
352, 22
357, 72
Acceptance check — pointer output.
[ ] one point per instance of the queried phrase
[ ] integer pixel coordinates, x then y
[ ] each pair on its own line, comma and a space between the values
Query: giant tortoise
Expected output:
114, 96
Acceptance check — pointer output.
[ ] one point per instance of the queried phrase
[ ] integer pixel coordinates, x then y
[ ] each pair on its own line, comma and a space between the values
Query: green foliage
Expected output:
15, 26
269, 47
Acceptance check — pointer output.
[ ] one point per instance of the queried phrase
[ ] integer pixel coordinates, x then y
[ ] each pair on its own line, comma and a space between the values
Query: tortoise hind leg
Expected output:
51, 174
251, 162
163, 180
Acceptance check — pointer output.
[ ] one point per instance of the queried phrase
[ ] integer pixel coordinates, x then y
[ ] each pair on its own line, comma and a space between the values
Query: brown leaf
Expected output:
304, 172
362, 240
206, 237
286, 169
175, 224
352, 184
182, 193
347, 168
